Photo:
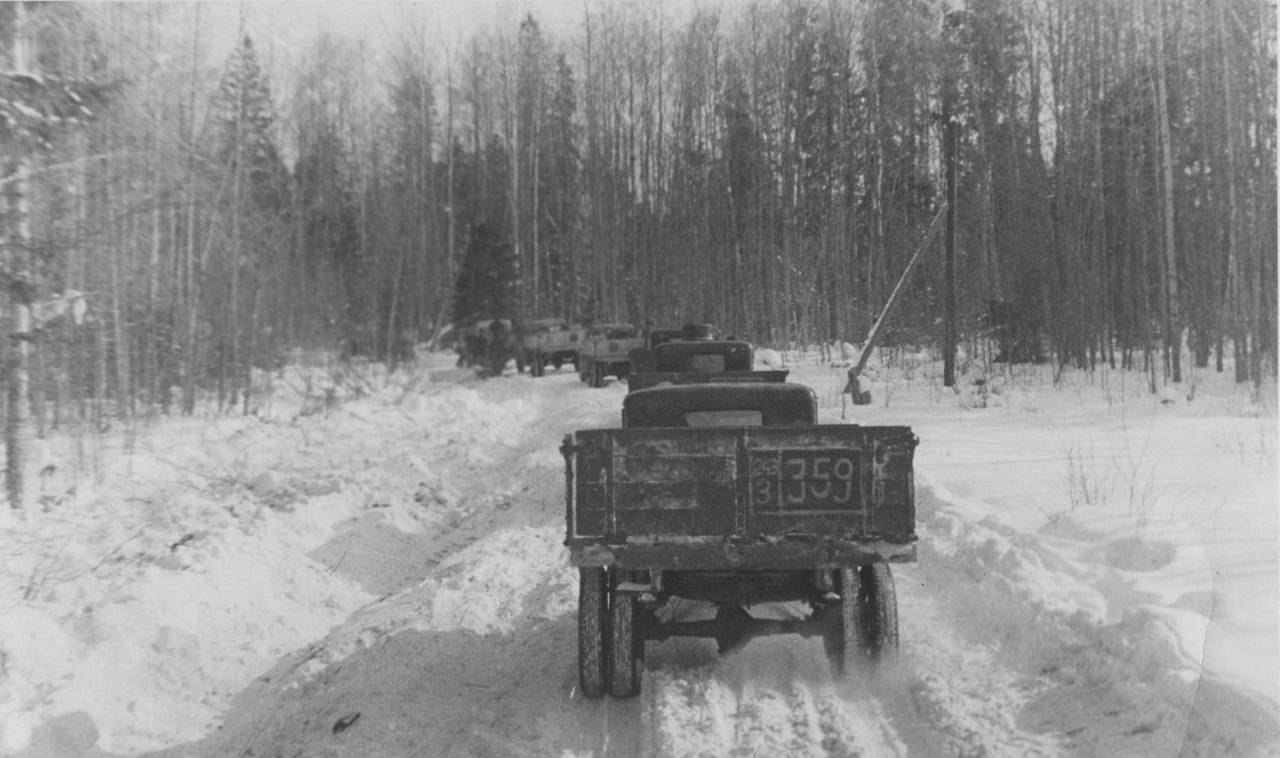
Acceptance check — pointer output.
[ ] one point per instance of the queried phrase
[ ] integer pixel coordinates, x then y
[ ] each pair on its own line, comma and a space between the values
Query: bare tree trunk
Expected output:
21, 291
513, 156
1232, 305
251, 338
192, 268
449, 209
950, 149
17, 431
119, 334
392, 342
533, 186
1171, 317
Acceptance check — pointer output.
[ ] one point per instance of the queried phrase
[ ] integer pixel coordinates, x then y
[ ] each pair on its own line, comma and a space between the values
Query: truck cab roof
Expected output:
545, 325
715, 404
702, 355
612, 331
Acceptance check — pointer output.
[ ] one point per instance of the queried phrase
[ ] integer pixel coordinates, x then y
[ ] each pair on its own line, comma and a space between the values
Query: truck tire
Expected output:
863, 626
624, 660
597, 375
840, 638
878, 611
536, 367
593, 616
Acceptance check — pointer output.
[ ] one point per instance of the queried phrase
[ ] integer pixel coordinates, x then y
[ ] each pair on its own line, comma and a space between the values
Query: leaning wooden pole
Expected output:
864, 398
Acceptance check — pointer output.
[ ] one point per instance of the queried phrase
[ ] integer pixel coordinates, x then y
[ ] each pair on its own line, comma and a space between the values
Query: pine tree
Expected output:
487, 284
246, 125
256, 205
329, 222
559, 170
417, 243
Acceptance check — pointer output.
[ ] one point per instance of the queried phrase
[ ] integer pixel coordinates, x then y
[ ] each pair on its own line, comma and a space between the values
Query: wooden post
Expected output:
861, 397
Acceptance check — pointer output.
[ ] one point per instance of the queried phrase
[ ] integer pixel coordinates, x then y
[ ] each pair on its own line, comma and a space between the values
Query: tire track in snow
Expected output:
949, 694
477, 659
773, 696
431, 681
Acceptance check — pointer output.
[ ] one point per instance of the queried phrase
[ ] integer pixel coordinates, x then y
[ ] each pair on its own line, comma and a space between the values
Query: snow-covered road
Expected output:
424, 522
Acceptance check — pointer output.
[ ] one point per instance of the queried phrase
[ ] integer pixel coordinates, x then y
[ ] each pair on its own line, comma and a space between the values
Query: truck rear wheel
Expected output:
878, 611
840, 638
863, 626
624, 646
592, 625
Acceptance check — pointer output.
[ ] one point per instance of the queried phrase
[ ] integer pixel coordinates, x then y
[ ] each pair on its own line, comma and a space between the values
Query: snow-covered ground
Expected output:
372, 566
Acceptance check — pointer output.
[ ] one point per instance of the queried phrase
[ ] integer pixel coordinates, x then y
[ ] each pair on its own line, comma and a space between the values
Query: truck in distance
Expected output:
606, 351
549, 340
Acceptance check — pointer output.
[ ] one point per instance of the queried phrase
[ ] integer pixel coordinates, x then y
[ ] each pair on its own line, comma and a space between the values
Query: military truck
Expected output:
606, 351
731, 495
684, 357
549, 340
488, 344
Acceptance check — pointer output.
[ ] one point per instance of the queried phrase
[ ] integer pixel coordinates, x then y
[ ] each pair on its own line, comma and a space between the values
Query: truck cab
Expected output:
689, 356
731, 495
716, 405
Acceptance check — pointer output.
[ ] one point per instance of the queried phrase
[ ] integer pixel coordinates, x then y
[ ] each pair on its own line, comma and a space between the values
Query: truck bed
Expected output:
815, 496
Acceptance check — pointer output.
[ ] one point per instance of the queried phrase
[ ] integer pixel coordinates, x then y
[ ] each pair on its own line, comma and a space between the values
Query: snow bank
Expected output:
1098, 575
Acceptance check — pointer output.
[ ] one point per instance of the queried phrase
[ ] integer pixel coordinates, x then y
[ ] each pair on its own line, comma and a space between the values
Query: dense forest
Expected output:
768, 166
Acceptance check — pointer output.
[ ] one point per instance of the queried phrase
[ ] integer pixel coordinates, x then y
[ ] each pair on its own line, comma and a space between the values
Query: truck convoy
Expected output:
606, 351
721, 488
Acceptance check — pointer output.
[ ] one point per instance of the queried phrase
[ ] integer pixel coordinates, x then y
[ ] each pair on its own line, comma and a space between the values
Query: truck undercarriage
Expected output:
664, 512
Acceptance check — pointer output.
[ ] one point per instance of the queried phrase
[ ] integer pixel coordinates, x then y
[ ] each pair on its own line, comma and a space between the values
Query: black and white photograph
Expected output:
639, 379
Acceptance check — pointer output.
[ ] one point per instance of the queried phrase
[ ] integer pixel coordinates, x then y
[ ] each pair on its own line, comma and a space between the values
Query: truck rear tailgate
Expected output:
739, 486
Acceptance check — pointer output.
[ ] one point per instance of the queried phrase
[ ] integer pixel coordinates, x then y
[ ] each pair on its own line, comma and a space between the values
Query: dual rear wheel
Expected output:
862, 628
592, 373
609, 650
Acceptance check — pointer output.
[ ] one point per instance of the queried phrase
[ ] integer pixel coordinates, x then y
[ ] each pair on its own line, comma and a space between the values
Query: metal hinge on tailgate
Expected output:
567, 448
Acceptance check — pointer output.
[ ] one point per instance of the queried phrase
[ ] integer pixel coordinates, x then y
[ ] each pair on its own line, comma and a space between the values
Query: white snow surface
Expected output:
372, 565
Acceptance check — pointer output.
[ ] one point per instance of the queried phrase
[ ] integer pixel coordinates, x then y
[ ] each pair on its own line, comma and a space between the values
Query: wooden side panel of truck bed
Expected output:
740, 485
